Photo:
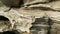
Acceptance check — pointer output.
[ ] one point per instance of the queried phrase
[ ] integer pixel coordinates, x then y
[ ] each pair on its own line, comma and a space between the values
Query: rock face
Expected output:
12, 3
30, 16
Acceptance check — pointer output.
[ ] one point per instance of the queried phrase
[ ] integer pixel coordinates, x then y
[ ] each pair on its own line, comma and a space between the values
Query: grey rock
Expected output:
11, 3
3, 7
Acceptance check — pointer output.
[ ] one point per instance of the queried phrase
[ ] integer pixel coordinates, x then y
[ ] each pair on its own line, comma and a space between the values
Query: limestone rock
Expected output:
34, 17
26, 2
49, 6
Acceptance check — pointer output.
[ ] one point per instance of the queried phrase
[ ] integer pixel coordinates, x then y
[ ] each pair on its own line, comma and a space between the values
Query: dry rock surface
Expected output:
29, 16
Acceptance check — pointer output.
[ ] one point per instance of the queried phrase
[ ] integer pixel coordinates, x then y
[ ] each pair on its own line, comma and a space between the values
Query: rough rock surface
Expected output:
30, 16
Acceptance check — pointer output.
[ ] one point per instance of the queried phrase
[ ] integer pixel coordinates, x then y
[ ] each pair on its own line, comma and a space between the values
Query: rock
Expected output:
3, 7
11, 3
35, 17
35, 1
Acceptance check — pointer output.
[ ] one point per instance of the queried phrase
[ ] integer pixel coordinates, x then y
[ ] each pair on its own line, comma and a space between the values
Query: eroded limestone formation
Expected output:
30, 16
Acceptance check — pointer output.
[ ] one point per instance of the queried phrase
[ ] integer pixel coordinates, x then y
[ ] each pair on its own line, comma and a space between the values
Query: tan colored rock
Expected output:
32, 18
34, 1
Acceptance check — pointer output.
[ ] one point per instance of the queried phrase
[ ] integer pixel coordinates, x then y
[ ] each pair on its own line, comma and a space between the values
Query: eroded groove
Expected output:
39, 26
49, 1
49, 29
44, 8
37, 3
53, 0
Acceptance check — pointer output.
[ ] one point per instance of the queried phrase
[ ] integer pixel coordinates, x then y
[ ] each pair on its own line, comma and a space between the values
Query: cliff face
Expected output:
30, 16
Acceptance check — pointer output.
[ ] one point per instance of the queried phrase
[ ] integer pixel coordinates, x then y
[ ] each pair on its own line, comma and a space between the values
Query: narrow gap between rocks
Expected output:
49, 23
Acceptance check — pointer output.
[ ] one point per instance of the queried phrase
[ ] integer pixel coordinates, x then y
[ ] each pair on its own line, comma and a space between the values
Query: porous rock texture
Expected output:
30, 16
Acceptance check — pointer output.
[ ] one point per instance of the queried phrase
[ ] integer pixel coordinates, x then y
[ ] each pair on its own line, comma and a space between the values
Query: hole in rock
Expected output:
4, 20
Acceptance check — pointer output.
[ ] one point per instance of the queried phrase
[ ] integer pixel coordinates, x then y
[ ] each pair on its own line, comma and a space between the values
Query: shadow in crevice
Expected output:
4, 20
53, 0
49, 23
9, 32
38, 25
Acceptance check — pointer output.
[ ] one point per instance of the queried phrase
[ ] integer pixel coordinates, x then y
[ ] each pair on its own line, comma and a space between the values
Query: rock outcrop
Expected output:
30, 16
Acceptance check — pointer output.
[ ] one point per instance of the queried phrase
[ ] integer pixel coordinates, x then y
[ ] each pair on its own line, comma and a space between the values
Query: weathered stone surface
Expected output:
35, 17
12, 3
49, 6
35, 1
19, 22
3, 7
